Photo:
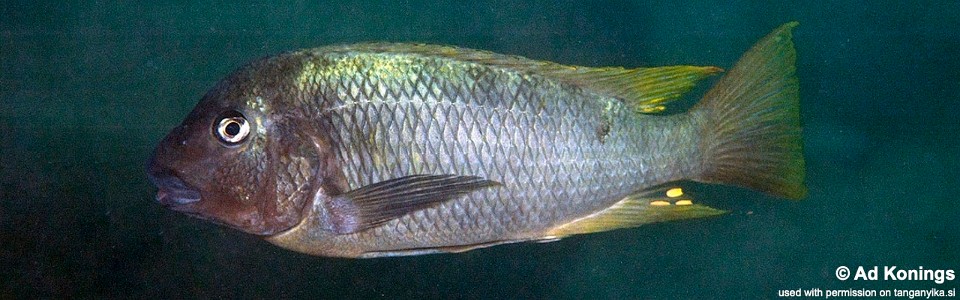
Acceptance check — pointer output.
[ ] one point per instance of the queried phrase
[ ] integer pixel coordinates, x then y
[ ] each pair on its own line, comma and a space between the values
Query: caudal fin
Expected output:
751, 133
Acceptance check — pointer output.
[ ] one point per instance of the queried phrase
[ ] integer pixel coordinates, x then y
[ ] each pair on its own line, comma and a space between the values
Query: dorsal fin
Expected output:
646, 90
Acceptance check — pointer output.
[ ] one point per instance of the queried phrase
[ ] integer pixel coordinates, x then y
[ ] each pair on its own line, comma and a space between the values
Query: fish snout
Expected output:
172, 191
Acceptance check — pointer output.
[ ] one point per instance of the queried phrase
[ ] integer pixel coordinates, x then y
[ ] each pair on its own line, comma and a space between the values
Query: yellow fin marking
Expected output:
660, 203
684, 202
674, 192
652, 109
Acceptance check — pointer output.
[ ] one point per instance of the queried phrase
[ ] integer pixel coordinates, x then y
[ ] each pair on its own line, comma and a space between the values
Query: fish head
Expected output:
238, 159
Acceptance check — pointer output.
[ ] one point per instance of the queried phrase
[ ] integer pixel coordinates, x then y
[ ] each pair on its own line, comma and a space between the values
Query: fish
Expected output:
393, 149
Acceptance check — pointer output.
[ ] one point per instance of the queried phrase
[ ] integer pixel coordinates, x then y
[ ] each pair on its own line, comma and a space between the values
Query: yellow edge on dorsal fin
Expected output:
645, 90
659, 205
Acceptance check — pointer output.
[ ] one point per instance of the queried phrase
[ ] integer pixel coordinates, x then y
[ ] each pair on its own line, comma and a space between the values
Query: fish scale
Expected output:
532, 139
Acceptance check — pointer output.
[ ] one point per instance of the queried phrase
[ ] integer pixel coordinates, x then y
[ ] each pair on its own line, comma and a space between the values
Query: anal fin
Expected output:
650, 206
444, 249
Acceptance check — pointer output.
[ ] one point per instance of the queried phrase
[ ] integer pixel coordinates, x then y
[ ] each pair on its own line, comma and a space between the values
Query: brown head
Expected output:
244, 156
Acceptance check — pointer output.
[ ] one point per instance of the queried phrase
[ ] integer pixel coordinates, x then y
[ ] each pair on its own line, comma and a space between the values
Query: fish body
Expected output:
398, 149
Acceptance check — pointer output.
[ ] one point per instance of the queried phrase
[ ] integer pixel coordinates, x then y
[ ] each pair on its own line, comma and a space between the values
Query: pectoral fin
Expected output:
655, 205
375, 204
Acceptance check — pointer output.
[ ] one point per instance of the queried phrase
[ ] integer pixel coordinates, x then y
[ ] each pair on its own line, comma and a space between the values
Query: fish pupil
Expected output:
233, 129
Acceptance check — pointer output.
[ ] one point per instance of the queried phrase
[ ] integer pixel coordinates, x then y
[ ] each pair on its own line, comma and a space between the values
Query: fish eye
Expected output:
231, 128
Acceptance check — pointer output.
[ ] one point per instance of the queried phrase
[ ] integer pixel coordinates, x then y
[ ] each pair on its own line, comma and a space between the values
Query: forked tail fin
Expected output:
751, 133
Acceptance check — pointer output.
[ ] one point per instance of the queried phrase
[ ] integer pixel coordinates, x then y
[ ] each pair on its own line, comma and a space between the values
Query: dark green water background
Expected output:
87, 89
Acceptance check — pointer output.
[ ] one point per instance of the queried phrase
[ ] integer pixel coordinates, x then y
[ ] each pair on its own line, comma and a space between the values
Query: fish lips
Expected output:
172, 190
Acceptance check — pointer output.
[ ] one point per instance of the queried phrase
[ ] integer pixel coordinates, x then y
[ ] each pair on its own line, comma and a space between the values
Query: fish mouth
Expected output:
172, 190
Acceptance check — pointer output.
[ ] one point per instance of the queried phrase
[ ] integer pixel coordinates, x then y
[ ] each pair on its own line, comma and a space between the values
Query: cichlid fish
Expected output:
383, 149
